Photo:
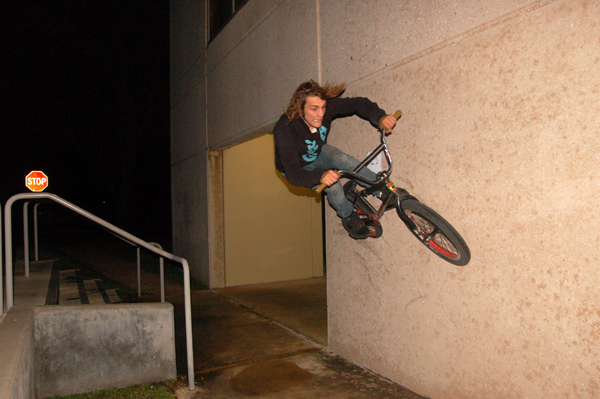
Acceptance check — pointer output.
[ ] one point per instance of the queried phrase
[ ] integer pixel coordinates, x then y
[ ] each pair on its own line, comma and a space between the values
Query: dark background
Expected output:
85, 99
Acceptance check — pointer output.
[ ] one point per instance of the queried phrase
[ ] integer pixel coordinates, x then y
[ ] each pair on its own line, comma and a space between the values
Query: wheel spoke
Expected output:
433, 236
444, 245
434, 231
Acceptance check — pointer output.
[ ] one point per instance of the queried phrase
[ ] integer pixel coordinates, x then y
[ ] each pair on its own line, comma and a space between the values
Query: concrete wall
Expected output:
230, 91
500, 103
17, 374
188, 136
87, 348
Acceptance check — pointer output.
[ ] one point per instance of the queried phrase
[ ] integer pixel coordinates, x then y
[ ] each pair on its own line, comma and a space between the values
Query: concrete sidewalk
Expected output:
263, 341
269, 341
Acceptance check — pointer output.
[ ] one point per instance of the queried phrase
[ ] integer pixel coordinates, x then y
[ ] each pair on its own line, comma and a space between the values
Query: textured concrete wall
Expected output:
221, 94
500, 102
17, 377
188, 136
83, 349
500, 136
250, 68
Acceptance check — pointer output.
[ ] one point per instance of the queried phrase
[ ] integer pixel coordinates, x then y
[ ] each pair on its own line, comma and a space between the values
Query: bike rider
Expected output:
304, 158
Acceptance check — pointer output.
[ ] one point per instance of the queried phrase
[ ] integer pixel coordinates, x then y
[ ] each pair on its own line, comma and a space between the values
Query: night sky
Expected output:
85, 98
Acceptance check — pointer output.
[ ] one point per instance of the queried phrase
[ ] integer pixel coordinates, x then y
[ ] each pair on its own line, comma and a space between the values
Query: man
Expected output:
303, 156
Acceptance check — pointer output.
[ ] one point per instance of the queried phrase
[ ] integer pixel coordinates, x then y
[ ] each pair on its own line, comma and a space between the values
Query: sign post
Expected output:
36, 181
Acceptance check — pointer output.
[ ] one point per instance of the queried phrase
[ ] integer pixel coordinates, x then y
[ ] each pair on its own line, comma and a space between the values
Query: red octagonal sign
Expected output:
36, 181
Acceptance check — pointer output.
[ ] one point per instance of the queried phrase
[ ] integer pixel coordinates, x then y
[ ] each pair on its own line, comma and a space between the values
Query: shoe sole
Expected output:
375, 229
377, 234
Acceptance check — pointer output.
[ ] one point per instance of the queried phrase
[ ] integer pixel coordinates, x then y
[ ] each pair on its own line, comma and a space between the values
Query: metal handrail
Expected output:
1, 269
26, 237
139, 278
26, 256
161, 268
36, 249
115, 230
35, 230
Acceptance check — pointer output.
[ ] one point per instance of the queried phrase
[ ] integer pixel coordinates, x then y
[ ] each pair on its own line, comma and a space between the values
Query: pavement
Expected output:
261, 341
270, 341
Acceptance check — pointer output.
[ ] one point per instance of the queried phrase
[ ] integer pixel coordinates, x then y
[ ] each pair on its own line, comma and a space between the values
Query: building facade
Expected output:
499, 134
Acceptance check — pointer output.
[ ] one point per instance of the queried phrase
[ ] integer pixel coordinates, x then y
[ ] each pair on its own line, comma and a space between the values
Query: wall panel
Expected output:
498, 135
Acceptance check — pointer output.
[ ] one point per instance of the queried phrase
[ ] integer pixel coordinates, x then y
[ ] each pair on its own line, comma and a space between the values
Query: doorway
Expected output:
272, 230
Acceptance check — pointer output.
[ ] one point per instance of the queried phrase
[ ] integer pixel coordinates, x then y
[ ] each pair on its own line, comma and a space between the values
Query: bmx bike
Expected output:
435, 232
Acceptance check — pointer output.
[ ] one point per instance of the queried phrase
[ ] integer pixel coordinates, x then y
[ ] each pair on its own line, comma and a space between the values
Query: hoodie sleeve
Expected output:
361, 106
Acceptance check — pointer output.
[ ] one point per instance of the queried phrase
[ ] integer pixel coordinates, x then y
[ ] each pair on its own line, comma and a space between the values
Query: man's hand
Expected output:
330, 177
387, 122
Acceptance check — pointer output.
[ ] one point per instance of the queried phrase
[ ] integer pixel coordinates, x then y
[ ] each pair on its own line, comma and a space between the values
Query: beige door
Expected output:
273, 231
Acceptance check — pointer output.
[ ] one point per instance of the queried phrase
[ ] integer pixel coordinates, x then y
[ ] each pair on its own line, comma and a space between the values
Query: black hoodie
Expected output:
296, 146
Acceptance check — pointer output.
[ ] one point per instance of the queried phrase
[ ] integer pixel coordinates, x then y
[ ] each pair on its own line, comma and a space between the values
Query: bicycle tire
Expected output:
434, 232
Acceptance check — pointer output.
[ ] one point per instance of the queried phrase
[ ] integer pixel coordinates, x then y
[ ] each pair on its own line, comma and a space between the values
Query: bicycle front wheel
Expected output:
434, 232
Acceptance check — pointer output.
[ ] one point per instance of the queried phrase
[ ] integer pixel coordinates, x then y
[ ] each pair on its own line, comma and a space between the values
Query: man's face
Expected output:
313, 111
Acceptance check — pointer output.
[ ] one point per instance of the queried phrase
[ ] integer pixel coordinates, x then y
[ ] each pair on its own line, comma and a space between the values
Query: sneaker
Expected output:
374, 226
355, 226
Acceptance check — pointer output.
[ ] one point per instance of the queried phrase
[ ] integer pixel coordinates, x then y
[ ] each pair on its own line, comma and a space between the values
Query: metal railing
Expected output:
1, 269
111, 228
139, 263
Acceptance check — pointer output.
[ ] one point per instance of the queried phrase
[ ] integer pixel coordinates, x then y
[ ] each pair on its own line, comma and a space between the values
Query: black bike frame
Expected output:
381, 176
382, 184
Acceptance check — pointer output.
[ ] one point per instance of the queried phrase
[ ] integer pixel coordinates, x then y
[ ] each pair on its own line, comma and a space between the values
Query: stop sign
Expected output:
36, 181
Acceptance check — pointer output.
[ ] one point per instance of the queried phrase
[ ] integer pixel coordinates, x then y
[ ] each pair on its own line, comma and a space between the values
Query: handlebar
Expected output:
383, 130
397, 116
321, 187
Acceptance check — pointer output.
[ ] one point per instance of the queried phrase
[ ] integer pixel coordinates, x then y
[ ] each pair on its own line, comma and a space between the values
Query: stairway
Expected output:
68, 287
74, 290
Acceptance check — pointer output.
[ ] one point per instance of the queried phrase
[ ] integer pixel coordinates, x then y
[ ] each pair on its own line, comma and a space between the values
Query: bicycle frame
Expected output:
382, 184
381, 176
430, 228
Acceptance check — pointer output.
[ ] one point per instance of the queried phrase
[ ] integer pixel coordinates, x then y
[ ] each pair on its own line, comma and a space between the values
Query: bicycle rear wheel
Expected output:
434, 232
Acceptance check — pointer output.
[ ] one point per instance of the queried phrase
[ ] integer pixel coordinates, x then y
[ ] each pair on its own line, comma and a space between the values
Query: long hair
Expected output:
311, 89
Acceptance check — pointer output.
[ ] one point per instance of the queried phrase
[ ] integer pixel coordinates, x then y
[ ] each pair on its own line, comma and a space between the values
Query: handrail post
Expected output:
8, 252
35, 232
139, 273
1, 268
188, 322
162, 279
26, 237
161, 264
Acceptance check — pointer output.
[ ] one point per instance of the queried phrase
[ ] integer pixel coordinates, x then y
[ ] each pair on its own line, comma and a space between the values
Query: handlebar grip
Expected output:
321, 187
397, 116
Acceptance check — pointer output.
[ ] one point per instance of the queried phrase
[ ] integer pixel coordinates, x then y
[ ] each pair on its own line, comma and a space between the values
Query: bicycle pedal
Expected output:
375, 231
374, 226
368, 218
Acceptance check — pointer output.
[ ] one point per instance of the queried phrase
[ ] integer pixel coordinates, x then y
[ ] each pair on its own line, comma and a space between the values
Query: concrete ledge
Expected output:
17, 348
64, 350
86, 348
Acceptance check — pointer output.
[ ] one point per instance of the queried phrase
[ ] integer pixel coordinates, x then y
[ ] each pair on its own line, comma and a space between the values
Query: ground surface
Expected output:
267, 341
